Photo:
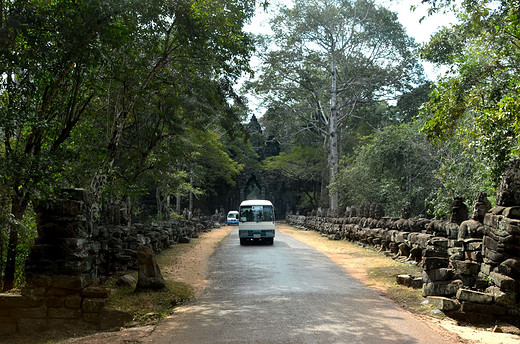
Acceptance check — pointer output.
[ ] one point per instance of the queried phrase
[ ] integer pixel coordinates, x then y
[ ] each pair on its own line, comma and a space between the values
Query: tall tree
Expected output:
329, 57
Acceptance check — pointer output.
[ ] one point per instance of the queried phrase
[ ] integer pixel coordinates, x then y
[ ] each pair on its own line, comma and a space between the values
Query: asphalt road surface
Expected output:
288, 293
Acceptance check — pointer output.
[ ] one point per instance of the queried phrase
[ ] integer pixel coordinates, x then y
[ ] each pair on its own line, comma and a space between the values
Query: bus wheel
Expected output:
271, 241
243, 241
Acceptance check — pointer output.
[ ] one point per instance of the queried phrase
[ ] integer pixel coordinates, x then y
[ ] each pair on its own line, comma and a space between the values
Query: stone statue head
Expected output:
458, 211
508, 193
481, 206
378, 212
405, 211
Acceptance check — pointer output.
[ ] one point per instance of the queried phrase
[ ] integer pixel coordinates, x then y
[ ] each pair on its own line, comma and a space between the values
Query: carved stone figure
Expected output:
378, 212
473, 227
508, 193
350, 211
458, 211
405, 211
149, 275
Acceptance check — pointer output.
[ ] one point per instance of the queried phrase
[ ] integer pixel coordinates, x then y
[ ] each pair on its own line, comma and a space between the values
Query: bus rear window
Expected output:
256, 213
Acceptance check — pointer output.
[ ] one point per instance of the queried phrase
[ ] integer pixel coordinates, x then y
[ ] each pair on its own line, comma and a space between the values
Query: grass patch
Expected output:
149, 307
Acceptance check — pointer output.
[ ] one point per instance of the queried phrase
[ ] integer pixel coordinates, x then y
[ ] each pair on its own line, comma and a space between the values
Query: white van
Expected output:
232, 217
256, 222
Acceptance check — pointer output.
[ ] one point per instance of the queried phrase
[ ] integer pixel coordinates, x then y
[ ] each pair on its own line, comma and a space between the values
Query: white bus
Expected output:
256, 222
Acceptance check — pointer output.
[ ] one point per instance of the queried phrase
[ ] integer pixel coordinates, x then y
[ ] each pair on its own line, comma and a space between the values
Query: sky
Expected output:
420, 30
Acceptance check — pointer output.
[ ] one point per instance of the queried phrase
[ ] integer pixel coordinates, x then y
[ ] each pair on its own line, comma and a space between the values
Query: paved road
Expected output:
287, 293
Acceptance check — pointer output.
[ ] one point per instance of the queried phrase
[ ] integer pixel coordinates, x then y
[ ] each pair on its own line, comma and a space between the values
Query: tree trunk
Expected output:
18, 207
333, 135
190, 204
178, 203
159, 203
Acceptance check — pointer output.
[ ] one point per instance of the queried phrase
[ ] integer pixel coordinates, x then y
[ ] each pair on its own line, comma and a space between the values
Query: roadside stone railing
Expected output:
476, 280
471, 268
72, 256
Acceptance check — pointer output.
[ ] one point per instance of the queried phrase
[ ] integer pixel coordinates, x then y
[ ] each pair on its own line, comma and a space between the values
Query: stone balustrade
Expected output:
72, 256
471, 279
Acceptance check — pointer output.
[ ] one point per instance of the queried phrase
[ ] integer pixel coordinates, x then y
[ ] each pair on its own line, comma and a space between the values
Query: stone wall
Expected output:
72, 256
471, 268
457, 275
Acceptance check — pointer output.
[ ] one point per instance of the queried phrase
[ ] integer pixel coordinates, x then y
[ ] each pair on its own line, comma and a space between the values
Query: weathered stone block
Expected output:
148, 273
65, 313
31, 312
7, 326
71, 207
91, 317
492, 244
126, 280
501, 298
405, 280
111, 318
486, 269
59, 292
55, 302
71, 267
34, 292
475, 256
417, 283
443, 303
95, 293
496, 210
431, 263
68, 324
504, 282
442, 274
510, 267
474, 296
12, 301
432, 252
473, 244
483, 308
512, 212
93, 305
456, 253
494, 255
70, 282
492, 220
511, 226
465, 267
32, 326
443, 288
72, 301
439, 243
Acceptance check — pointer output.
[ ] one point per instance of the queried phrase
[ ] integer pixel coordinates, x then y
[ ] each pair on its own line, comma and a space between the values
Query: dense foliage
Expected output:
120, 97
395, 167
477, 101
